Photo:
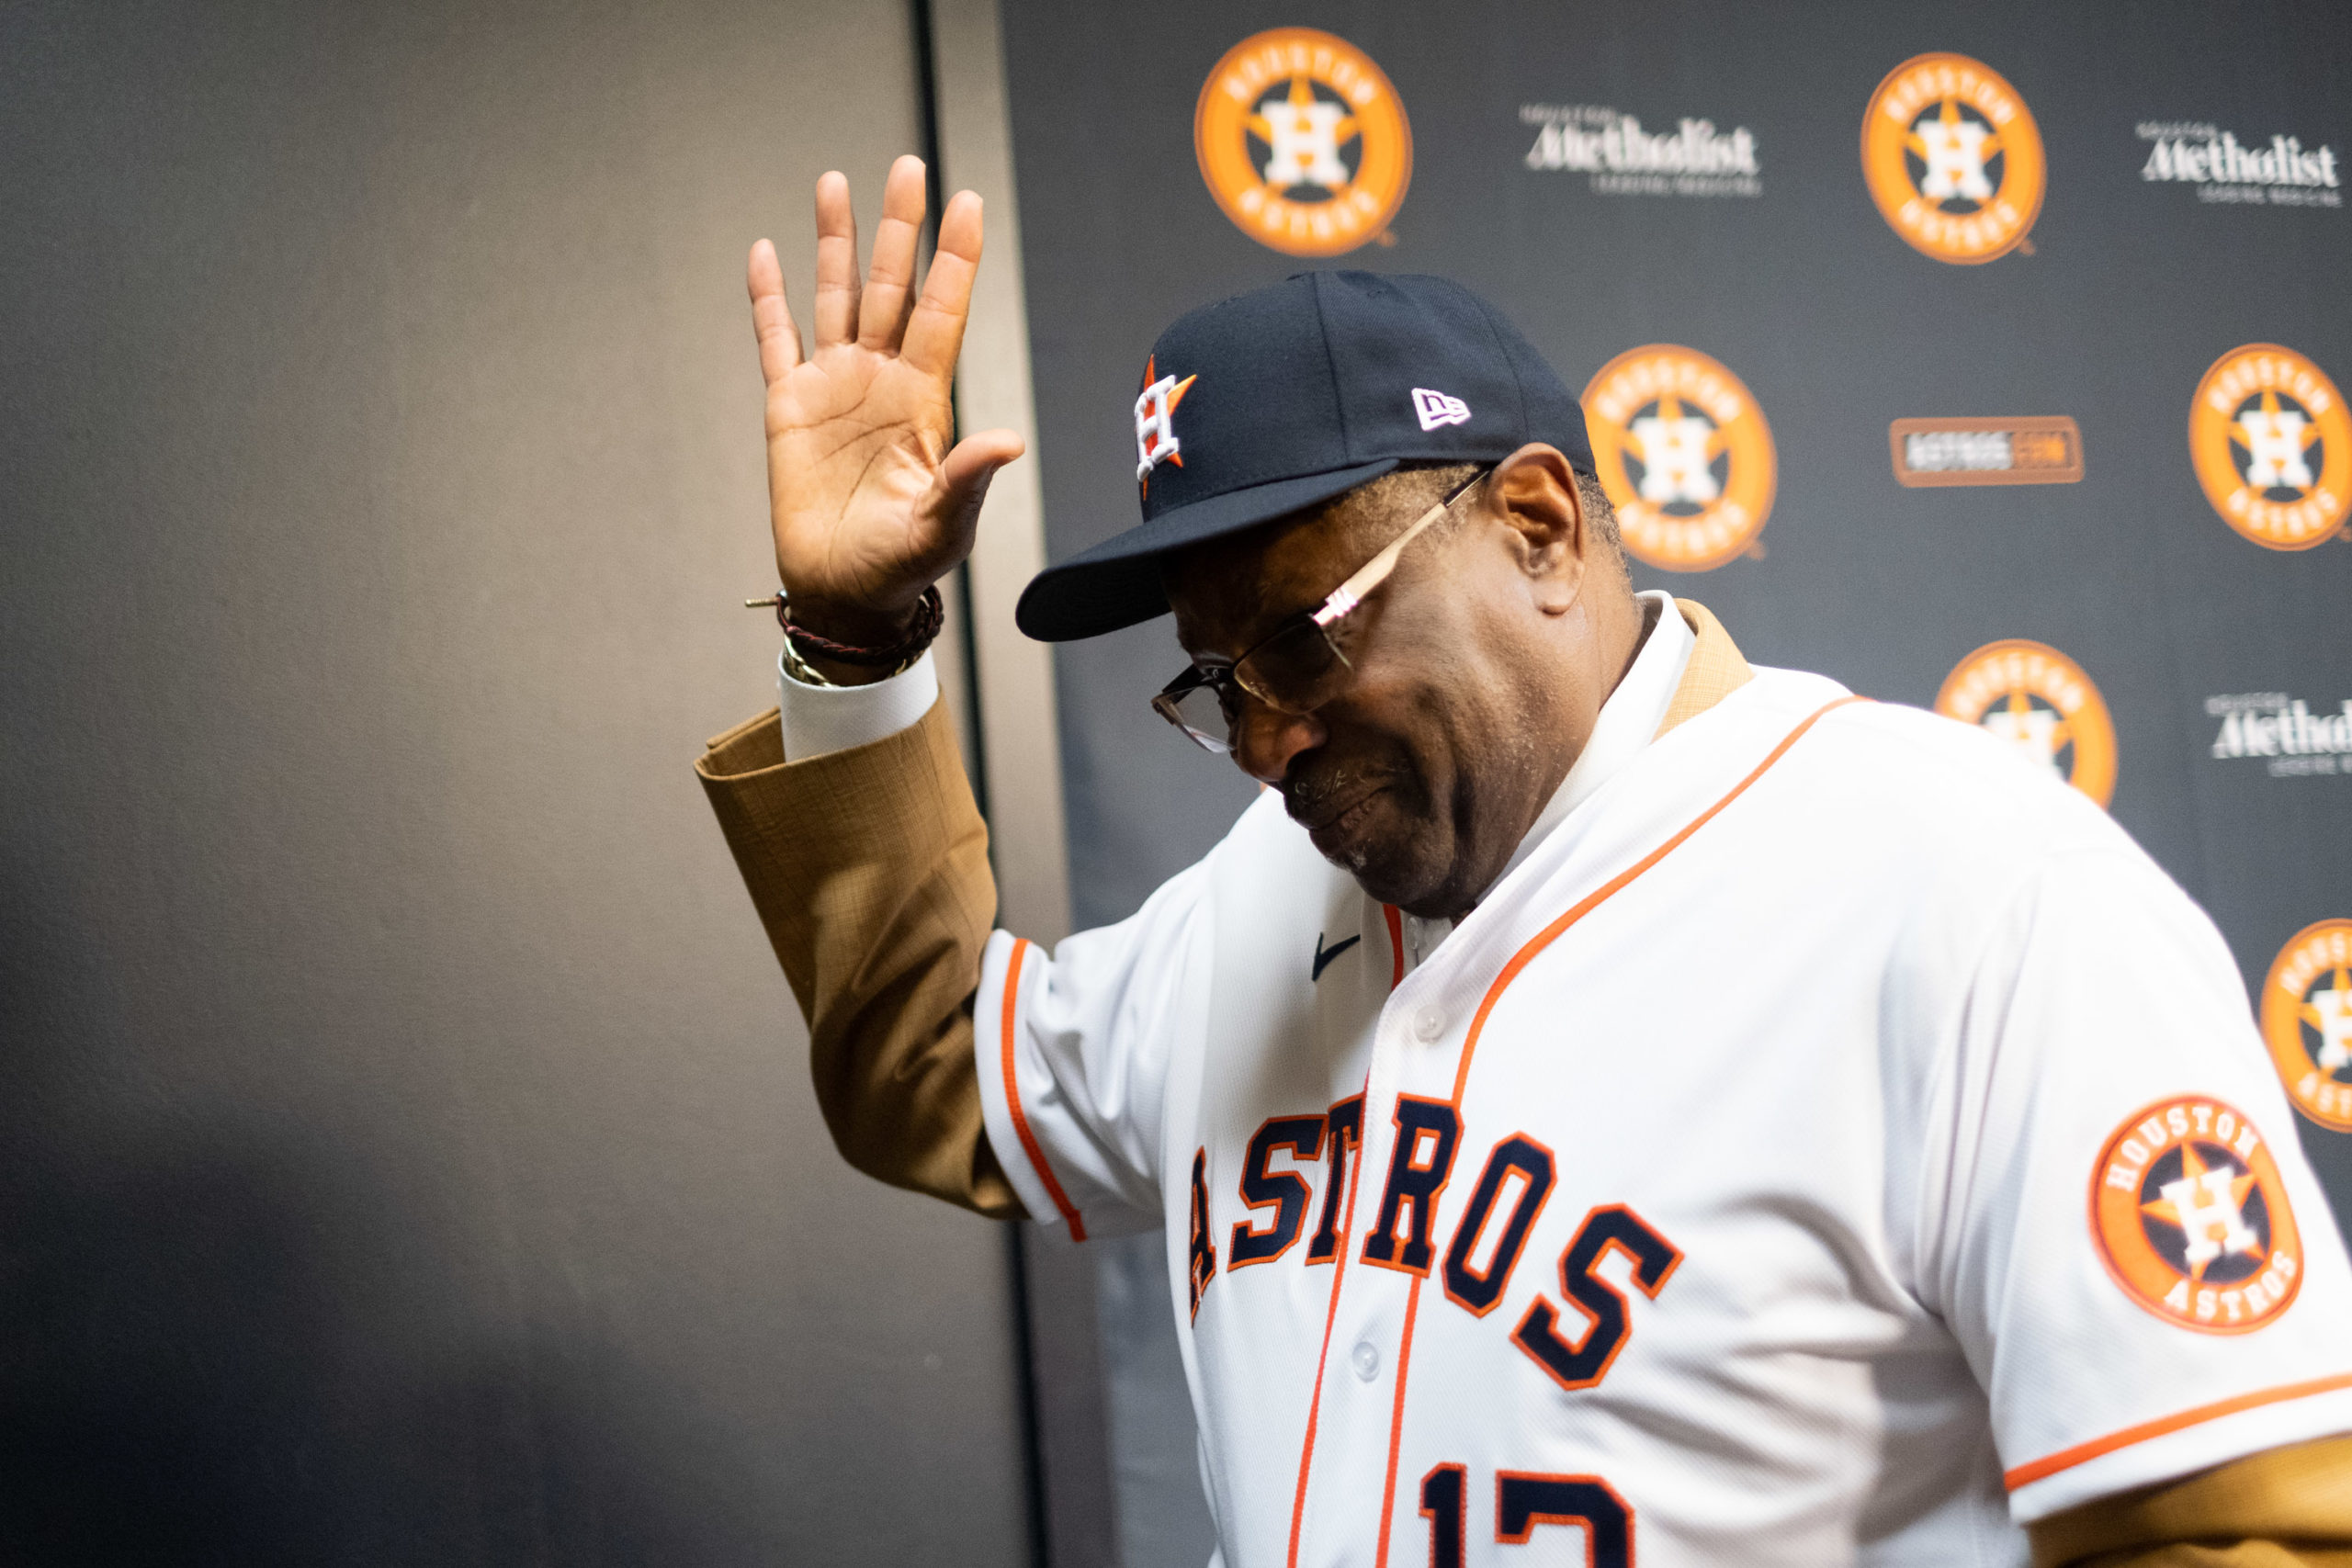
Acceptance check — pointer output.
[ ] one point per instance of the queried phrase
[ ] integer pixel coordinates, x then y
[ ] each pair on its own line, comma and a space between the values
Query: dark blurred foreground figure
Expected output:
1600, 1086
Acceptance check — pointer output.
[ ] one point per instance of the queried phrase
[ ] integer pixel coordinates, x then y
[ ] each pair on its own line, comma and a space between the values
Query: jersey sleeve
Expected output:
1074, 1048
2127, 1239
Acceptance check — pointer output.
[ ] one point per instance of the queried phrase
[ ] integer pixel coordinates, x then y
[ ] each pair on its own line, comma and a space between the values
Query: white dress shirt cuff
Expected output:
821, 719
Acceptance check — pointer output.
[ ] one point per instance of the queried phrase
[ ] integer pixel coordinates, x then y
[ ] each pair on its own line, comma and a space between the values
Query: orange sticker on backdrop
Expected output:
1953, 159
1303, 142
2190, 1216
1684, 453
2307, 1022
2272, 446
2040, 701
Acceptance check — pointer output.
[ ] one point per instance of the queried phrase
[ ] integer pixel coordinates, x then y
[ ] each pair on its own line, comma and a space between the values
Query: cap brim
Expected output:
1116, 583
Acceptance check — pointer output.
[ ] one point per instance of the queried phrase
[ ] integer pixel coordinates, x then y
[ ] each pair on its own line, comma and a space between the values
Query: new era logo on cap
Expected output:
1435, 408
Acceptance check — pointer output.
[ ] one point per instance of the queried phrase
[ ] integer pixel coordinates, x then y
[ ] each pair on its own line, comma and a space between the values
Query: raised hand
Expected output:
869, 504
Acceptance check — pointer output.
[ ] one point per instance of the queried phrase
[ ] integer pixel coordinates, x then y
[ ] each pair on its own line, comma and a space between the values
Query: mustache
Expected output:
1315, 795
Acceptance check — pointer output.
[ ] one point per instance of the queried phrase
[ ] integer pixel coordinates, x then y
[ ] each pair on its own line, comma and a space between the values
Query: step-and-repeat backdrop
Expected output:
1989, 359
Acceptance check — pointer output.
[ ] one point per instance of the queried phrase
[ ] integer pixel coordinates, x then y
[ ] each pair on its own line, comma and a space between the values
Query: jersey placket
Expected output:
1421, 1053
1346, 1500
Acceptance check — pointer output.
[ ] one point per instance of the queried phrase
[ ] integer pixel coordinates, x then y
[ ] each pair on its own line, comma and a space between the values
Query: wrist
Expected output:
835, 645
852, 625
816, 670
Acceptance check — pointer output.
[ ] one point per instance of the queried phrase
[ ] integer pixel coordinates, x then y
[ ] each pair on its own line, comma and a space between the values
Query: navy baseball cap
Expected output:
1286, 395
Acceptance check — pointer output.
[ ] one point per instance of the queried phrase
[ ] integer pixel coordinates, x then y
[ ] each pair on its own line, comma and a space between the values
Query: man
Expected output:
1602, 1088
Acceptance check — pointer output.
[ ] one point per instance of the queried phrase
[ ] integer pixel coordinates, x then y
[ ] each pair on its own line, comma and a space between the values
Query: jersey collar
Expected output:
1687, 664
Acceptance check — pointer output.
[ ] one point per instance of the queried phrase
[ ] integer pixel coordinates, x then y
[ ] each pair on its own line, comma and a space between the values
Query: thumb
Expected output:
964, 477
977, 459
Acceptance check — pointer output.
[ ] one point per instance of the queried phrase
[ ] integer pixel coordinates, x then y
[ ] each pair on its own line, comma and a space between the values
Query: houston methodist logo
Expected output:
2279, 173
1303, 142
2273, 447
2191, 1218
2292, 740
1953, 159
2040, 701
2307, 1019
1684, 455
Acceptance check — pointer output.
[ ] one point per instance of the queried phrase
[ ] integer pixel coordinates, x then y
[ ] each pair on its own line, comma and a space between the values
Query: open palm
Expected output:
869, 503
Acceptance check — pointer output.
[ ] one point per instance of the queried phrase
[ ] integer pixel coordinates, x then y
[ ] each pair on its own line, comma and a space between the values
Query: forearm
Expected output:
868, 868
2277, 1510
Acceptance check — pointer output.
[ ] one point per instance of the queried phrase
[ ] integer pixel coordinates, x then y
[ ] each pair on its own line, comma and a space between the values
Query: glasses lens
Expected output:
1298, 672
1198, 712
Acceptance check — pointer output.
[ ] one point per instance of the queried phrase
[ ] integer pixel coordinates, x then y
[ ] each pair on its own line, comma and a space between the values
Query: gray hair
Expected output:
1406, 493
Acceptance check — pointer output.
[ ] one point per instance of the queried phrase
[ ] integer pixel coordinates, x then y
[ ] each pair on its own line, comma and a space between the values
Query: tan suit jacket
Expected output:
869, 870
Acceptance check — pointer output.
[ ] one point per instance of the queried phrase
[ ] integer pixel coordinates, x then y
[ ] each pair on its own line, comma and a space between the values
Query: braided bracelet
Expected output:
929, 612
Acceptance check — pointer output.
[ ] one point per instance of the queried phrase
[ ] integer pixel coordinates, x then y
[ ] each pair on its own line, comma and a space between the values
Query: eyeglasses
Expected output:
1299, 667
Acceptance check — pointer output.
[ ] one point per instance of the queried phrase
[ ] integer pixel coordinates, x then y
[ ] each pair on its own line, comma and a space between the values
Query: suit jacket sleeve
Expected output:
869, 870
2275, 1509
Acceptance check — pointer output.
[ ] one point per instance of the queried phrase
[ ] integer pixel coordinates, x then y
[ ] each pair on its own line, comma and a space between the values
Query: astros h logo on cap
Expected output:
1953, 159
1303, 142
2040, 701
2272, 446
1156, 441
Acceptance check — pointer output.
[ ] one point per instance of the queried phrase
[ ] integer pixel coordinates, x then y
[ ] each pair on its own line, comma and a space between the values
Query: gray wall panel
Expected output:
405, 1141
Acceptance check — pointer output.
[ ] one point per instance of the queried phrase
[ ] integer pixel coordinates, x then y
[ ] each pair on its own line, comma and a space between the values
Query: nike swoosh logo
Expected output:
1323, 955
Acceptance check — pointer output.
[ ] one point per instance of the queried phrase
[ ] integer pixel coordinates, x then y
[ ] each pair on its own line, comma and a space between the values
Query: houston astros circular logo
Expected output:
1303, 141
1953, 159
1684, 453
2191, 1217
2040, 701
2273, 447
2307, 1022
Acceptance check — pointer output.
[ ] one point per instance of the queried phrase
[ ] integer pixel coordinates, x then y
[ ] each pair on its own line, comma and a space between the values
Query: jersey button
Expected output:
1366, 1360
1429, 1023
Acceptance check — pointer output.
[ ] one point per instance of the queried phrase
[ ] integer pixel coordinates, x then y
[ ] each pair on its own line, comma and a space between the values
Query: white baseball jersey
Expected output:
1830, 1142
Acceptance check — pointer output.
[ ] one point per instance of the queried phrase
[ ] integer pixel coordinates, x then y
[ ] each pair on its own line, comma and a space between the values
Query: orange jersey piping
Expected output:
1616, 885
2082, 1453
1012, 1098
1397, 1419
1354, 1168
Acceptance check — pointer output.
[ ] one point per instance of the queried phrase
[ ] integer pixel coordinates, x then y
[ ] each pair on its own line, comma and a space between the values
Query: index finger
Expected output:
771, 315
935, 332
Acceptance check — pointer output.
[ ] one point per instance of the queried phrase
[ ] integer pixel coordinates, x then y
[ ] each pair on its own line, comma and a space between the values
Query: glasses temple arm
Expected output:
1374, 572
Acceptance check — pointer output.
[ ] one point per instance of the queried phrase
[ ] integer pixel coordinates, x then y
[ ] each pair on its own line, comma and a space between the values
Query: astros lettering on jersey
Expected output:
1831, 1140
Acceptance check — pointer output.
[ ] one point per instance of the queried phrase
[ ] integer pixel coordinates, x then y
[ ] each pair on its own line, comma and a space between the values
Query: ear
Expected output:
1534, 493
